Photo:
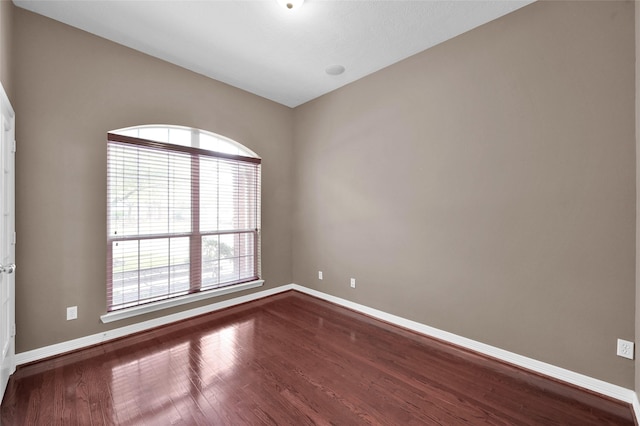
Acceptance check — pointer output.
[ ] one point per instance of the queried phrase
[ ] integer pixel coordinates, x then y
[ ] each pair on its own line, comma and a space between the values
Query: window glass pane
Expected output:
125, 272
134, 133
180, 136
154, 268
123, 191
246, 252
210, 261
213, 143
186, 136
179, 271
209, 175
247, 266
208, 142
179, 194
228, 258
153, 187
145, 270
149, 192
249, 197
226, 197
228, 246
246, 244
158, 134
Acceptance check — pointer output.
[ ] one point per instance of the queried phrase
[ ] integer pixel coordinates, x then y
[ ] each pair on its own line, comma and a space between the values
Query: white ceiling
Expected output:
273, 52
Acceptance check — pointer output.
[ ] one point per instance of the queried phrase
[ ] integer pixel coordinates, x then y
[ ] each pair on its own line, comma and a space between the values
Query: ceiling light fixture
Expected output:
334, 69
290, 4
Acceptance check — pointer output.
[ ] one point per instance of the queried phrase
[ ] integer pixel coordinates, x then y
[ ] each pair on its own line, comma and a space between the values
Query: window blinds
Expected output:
180, 220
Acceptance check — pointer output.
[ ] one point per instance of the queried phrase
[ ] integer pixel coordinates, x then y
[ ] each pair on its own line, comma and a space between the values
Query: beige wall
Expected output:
6, 43
485, 187
73, 87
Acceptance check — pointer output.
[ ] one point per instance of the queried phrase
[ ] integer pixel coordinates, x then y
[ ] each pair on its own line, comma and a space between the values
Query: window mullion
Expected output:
170, 182
138, 214
195, 242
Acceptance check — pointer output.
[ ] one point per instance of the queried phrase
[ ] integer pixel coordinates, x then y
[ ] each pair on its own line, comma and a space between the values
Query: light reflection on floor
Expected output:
193, 370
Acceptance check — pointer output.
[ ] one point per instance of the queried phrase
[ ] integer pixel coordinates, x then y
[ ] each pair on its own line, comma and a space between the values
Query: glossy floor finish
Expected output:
291, 359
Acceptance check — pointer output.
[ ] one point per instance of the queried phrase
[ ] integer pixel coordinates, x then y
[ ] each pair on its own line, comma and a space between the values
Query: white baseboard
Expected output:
94, 339
636, 408
577, 379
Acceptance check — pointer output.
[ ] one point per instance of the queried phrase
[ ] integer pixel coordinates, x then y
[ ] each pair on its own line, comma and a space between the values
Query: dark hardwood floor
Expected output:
291, 359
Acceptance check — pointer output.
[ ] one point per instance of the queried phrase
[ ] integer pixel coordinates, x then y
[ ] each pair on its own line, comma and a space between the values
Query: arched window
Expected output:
183, 214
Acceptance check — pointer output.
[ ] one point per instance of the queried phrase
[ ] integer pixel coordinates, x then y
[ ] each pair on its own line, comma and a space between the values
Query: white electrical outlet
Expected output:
319, 275
353, 283
625, 349
72, 313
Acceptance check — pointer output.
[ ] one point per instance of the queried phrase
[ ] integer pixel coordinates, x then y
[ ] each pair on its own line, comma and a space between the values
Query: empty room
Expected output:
319, 212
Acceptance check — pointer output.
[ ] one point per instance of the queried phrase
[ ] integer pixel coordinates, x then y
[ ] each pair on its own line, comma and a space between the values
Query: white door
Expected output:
7, 242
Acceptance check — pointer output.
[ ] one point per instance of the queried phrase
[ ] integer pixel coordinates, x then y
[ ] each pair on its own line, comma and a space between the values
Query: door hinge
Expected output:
15, 238
13, 330
14, 149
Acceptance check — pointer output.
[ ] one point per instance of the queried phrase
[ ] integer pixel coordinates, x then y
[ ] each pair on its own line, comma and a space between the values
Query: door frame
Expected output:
7, 118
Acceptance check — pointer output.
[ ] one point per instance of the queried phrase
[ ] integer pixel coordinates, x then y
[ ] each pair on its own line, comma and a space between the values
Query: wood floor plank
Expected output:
292, 359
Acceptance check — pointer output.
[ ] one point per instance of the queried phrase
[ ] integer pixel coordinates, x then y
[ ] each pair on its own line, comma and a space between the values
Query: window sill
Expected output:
176, 301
